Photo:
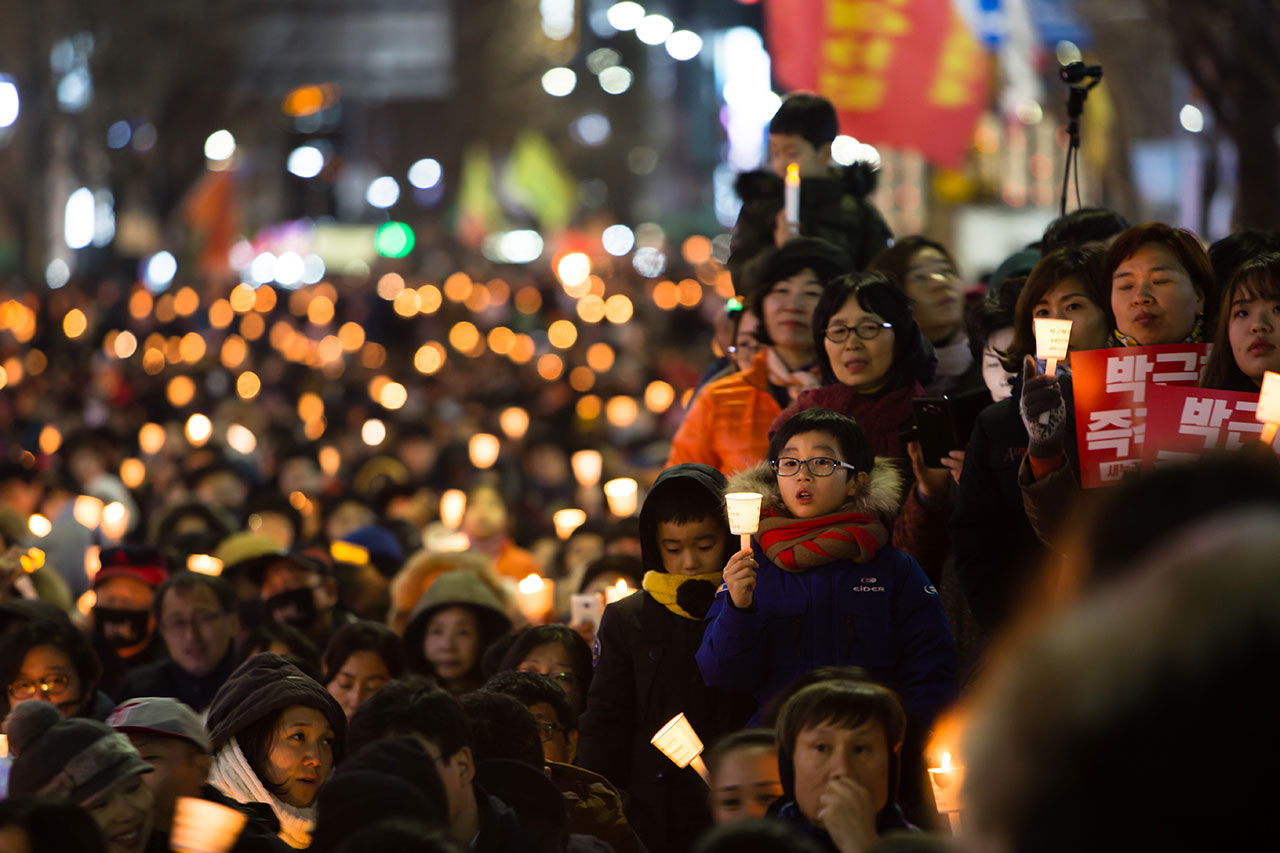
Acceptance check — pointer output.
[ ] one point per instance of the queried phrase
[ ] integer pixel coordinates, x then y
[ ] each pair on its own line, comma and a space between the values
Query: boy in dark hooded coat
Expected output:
645, 668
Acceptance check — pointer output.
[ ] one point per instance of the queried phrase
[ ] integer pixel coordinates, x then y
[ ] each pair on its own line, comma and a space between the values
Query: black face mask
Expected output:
120, 629
296, 607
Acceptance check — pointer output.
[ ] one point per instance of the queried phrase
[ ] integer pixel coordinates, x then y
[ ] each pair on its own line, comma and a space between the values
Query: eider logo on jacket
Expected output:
865, 588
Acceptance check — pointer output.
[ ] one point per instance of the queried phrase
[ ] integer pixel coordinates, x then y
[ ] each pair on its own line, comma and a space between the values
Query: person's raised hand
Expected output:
846, 812
782, 230
740, 576
954, 462
1044, 412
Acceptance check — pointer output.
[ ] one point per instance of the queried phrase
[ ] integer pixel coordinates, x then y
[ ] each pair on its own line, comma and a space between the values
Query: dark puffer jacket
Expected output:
835, 208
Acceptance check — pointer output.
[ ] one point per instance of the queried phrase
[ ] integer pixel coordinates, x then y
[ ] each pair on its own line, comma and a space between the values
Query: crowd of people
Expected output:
349, 637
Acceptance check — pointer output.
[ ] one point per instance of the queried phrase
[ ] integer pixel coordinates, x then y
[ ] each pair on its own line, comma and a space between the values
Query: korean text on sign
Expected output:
1110, 391
1185, 423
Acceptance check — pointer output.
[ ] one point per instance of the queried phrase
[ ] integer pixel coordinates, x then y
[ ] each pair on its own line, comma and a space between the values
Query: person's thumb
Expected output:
1028, 369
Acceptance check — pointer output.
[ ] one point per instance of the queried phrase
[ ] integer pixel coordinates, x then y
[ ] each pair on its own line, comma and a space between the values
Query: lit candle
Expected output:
200, 826
621, 495
948, 782
1269, 406
204, 564
744, 514
536, 597
483, 448
567, 521
791, 196
678, 741
1052, 339
115, 520
587, 465
453, 505
4, 746
87, 510
618, 591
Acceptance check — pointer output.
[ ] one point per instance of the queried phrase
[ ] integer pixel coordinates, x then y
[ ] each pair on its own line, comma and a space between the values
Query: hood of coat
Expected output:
880, 497
685, 476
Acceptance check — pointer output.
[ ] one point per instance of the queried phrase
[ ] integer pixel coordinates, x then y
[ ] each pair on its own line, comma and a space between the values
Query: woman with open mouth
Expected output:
107, 777
276, 735
1247, 342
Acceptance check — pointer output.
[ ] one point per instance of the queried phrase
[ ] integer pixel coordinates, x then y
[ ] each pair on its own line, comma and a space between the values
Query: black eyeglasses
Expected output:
547, 731
867, 330
819, 466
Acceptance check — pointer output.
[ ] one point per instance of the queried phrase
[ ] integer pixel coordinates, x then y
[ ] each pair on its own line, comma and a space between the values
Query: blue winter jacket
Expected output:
882, 615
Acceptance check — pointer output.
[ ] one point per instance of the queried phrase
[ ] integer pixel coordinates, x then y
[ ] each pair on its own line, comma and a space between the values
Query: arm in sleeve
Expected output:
608, 724
1050, 501
921, 531
733, 652
926, 652
983, 565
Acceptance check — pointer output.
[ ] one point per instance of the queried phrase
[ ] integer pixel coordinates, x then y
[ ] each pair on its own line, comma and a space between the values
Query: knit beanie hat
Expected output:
262, 685
75, 759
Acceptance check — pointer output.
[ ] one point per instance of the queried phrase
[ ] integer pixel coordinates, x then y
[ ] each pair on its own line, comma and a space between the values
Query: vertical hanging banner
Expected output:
904, 73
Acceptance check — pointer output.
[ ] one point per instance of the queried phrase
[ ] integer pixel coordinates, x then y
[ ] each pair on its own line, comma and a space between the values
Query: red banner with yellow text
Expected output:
903, 73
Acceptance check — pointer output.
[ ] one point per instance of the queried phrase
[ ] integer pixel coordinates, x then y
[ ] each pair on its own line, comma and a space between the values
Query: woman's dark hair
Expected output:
363, 636
1185, 247
563, 636
1083, 263
302, 652
855, 447
533, 688
825, 259
1228, 254
255, 743
627, 565
894, 261
912, 360
741, 739
52, 826
757, 835
1256, 278
61, 635
993, 312
1086, 225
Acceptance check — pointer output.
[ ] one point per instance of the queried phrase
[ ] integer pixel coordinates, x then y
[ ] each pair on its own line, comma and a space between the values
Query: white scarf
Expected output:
232, 775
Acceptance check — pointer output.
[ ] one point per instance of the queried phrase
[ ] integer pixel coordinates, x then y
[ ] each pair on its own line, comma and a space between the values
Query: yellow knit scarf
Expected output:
664, 587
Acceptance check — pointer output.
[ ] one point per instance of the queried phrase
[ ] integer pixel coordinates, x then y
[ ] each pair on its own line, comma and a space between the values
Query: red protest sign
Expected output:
905, 73
1110, 388
1185, 423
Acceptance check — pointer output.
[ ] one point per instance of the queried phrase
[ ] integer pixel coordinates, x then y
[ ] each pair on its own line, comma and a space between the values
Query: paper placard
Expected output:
744, 511
1184, 424
1109, 390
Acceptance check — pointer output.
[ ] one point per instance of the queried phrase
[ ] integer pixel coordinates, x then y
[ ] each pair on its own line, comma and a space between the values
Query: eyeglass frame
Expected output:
43, 686
870, 324
808, 464
547, 730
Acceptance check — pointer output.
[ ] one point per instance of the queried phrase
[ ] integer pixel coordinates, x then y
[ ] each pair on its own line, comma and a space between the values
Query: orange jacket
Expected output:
727, 427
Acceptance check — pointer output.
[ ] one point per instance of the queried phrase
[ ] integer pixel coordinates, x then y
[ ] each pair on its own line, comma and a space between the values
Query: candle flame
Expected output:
531, 583
946, 761
621, 586
793, 173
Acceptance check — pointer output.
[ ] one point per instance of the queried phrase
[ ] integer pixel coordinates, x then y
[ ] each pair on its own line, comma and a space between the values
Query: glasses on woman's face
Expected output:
51, 685
819, 466
567, 680
743, 349
867, 330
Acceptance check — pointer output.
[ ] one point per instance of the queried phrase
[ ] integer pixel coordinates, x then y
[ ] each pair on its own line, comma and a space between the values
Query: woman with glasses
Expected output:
51, 661
557, 652
727, 424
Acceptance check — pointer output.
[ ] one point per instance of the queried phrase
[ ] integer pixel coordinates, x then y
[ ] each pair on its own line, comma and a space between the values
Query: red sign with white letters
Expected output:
1110, 388
906, 73
1185, 423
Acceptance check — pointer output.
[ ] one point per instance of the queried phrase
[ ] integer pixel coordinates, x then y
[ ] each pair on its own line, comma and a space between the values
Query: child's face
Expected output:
807, 496
745, 784
692, 547
786, 148
829, 751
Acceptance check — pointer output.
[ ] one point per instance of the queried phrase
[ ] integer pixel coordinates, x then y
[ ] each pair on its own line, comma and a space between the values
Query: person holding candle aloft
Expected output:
1162, 291
834, 201
645, 670
726, 424
821, 585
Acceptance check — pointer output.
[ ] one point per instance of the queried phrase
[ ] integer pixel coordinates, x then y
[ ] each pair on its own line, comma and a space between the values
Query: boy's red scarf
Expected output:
796, 544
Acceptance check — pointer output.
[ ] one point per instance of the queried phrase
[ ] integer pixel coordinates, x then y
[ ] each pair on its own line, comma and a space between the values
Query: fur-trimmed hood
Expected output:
878, 498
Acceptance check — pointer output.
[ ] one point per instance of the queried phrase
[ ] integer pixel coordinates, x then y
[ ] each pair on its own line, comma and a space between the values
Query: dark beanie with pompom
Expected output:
76, 759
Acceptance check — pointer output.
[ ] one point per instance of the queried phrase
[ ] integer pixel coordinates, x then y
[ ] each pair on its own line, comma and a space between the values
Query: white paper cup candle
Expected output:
744, 514
453, 505
587, 465
618, 591
204, 564
1052, 339
200, 826
1269, 406
621, 495
567, 521
947, 782
791, 195
678, 741
536, 597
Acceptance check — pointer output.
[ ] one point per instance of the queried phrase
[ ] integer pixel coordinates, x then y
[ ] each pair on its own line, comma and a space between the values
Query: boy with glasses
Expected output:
821, 585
